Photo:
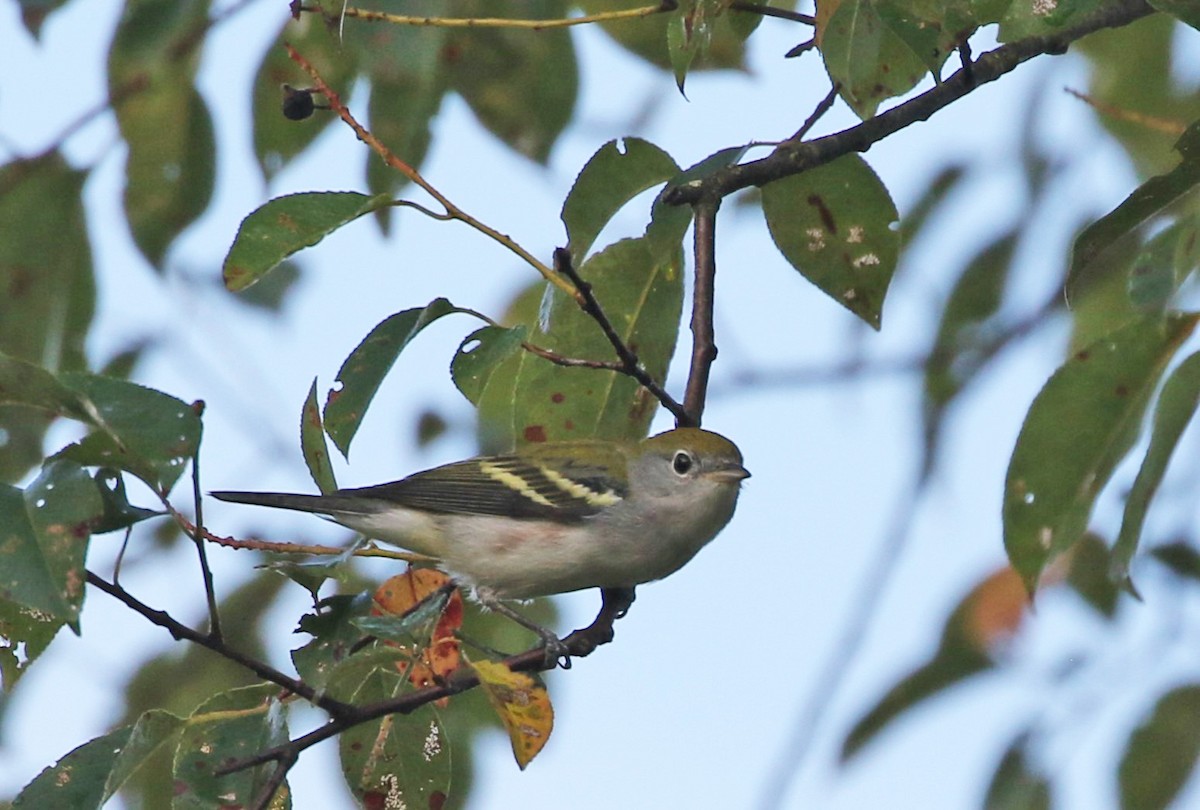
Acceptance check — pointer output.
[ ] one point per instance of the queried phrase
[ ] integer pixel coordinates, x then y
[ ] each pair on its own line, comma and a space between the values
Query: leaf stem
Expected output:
369, 15
395, 162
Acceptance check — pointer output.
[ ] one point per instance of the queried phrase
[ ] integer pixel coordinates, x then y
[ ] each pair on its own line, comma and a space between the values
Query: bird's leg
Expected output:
556, 651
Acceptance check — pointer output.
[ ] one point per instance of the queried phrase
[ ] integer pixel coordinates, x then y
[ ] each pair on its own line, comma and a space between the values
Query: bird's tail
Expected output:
320, 504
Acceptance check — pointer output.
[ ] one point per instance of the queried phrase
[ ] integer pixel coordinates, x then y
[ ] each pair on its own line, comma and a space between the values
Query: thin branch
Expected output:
369, 15
793, 157
255, 544
1167, 126
704, 346
822, 107
210, 594
771, 11
579, 644
629, 360
801, 49
395, 162
178, 630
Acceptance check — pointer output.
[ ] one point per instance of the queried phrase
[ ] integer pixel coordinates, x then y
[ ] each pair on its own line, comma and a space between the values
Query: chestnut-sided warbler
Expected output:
552, 517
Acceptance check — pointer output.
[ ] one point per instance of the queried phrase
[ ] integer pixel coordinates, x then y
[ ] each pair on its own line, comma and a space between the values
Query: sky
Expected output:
697, 702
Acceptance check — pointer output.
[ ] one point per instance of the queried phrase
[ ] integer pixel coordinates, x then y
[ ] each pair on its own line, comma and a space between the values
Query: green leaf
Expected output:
614, 175
49, 293
362, 373
287, 224
277, 139
119, 513
1146, 201
639, 283
45, 538
334, 636
1089, 577
974, 301
1161, 752
689, 33
863, 55
35, 12
987, 613
1187, 11
1176, 406
932, 29
520, 84
1079, 427
417, 624
952, 664
1163, 264
647, 37
1180, 557
170, 170
408, 82
228, 726
312, 443
1016, 785
485, 370
1026, 18
401, 760
25, 384
93, 773
24, 633
834, 224
142, 431
480, 356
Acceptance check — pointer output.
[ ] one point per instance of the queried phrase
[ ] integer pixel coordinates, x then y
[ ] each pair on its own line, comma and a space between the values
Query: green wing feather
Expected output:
562, 485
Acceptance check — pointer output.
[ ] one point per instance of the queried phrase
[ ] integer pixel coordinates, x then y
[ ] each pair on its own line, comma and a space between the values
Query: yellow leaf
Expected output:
523, 704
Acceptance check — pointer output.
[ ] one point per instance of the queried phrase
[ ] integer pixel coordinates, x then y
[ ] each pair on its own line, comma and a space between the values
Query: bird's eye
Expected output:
682, 462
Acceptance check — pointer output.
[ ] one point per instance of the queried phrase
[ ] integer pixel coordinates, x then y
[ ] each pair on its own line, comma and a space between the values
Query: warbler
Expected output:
551, 518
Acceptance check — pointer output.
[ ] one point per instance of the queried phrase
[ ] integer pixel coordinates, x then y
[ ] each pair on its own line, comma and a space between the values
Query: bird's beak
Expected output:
732, 473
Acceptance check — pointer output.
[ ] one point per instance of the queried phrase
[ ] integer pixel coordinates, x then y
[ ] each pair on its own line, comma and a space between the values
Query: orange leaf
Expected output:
400, 594
992, 612
523, 705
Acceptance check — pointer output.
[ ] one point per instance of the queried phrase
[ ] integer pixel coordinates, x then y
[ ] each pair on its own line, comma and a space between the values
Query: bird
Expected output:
551, 517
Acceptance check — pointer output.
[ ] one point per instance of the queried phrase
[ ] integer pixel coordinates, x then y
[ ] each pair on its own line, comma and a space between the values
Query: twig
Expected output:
368, 15
792, 158
823, 106
210, 595
254, 544
771, 11
704, 347
579, 644
395, 162
629, 360
1167, 126
178, 630
801, 49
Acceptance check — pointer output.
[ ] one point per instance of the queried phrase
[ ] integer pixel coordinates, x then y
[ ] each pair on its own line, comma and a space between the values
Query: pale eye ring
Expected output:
683, 462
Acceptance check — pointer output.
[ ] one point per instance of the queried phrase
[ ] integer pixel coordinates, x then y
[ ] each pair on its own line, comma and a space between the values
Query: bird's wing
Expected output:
546, 488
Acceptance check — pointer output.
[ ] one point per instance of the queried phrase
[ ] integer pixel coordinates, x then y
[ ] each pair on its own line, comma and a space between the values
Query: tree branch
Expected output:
178, 630
630, 363
792, 157
616, 602
704, 347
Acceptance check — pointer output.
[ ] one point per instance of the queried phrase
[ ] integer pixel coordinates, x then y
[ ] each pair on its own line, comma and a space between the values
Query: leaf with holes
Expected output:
363, 371
614, 175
